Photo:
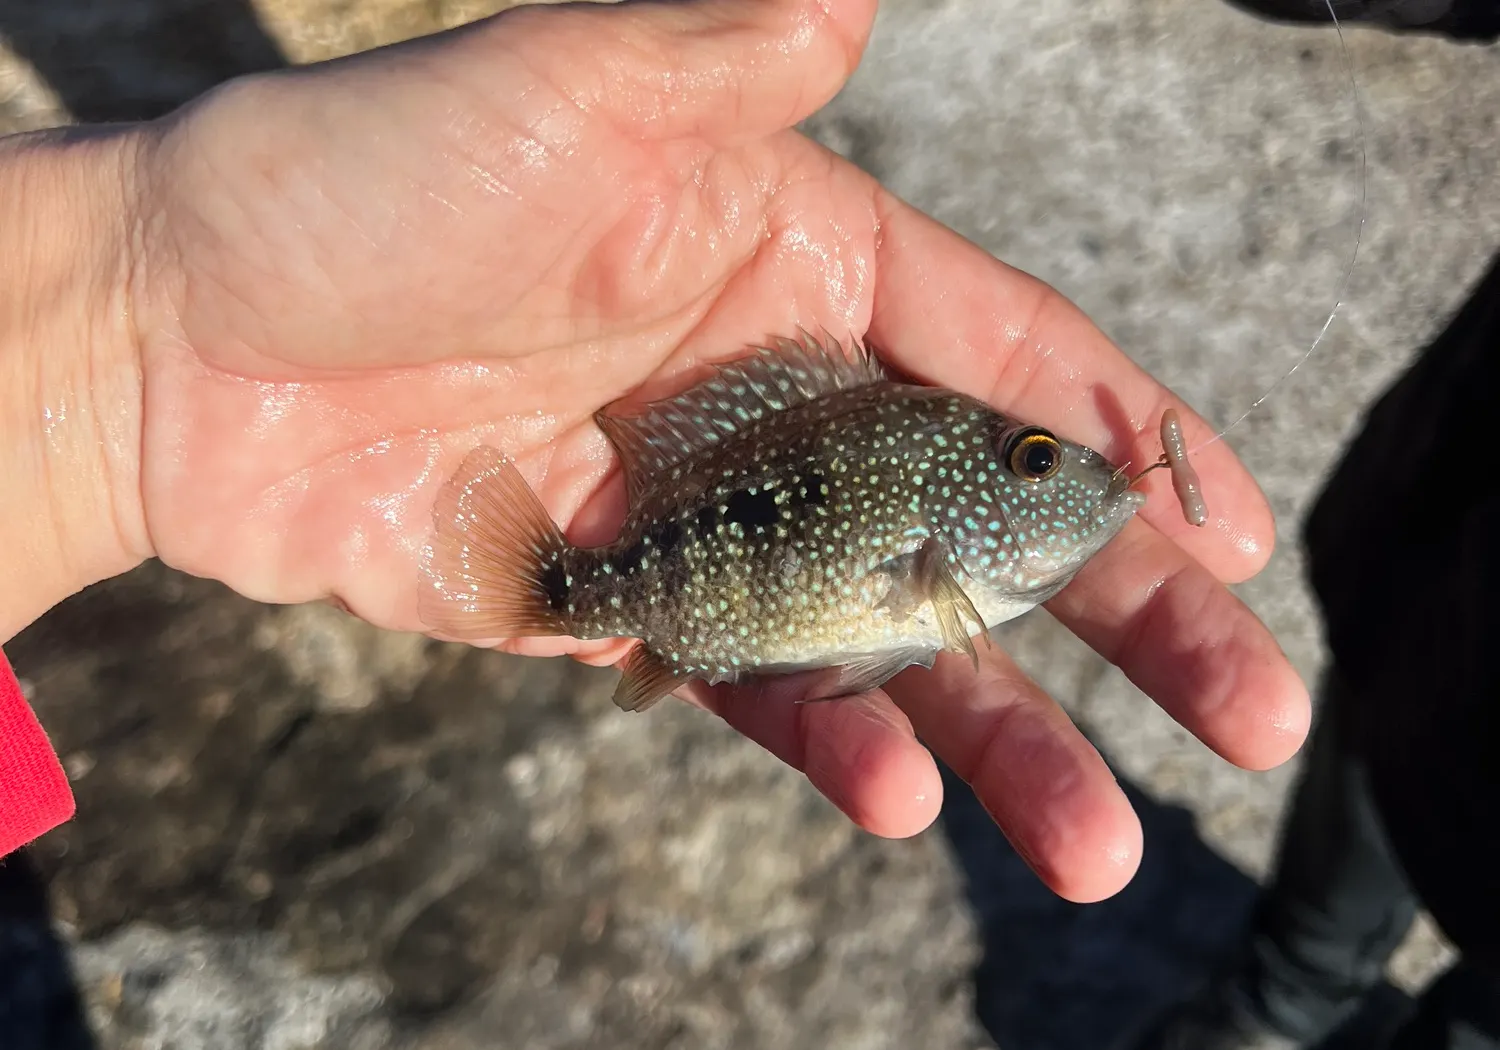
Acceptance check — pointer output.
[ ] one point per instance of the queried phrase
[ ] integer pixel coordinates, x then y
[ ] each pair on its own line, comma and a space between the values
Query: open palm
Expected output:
354, 273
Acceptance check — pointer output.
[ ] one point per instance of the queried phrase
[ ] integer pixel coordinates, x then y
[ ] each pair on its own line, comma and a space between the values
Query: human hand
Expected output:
344, 277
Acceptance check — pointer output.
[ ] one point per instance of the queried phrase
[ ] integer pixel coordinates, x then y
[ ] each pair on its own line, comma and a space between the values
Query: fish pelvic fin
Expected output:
495, 567
645, 678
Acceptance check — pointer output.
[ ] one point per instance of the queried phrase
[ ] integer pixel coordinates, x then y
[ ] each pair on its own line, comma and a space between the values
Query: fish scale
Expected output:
800, 511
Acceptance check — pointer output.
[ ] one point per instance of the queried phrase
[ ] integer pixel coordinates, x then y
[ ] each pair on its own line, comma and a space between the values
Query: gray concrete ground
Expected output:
299, 832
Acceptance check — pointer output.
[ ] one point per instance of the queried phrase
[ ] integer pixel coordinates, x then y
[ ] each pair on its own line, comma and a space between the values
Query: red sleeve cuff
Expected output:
34, 792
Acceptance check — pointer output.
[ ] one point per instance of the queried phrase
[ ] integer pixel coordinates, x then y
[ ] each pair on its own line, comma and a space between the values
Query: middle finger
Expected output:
1036, 775
1187, 642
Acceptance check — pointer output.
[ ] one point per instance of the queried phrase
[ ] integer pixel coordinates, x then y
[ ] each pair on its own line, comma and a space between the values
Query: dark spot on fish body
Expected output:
812, 490
752, 508
665, 535
751, 515
659, 540
629, 560
554, 581
707, 522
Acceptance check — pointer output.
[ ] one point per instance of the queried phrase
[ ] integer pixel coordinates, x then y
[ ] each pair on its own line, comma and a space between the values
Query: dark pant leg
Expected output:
1337, 905
40, 1007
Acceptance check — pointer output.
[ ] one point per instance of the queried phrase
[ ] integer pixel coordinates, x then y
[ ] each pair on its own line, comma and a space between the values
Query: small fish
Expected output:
799, 511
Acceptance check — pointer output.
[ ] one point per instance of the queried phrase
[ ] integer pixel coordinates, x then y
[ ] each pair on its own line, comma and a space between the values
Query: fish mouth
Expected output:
1121, 494
1120, 504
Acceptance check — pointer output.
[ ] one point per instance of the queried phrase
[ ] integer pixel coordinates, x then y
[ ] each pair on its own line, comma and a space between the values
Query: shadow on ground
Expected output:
109, 60
1062, 976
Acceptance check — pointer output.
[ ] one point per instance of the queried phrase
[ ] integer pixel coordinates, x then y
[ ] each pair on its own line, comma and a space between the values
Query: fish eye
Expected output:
1034, 454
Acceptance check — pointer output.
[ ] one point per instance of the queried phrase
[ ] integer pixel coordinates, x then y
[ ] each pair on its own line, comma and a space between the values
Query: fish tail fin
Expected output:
495, 567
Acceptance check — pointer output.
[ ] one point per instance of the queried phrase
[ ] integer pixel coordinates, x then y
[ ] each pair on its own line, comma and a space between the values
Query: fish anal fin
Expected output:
663, 434
644, 679
495, 565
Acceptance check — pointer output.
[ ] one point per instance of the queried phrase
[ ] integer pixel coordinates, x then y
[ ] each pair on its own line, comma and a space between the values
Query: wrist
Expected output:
70, 377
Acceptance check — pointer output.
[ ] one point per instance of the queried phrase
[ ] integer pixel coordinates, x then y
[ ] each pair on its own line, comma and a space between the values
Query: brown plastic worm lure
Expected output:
1185, 480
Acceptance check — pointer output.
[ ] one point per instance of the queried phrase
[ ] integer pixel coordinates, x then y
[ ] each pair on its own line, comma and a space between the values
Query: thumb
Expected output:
721, 70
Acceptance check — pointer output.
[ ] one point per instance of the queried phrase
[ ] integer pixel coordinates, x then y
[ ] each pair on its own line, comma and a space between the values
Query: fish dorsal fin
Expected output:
771, 379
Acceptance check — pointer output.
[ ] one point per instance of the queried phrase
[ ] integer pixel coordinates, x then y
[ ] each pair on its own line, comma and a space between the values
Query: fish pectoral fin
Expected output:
955, 638
950, 603
645, 678
864, 673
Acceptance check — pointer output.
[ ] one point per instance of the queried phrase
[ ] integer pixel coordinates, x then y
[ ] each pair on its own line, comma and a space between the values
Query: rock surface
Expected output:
296, 831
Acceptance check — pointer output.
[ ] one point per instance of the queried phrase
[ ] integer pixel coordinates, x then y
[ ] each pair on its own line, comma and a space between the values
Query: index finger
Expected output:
953, 315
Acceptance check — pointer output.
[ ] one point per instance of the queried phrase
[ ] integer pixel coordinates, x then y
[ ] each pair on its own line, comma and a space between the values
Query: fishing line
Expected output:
1358, 239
